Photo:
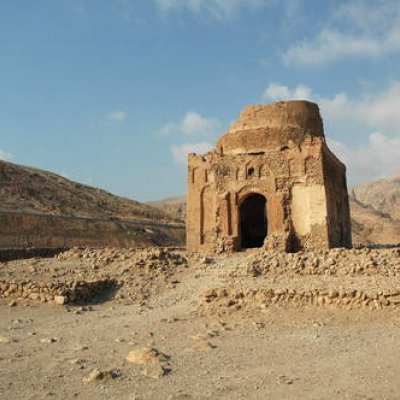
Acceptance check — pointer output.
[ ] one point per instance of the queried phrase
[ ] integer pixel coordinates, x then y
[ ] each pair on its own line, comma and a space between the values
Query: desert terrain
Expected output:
166, 324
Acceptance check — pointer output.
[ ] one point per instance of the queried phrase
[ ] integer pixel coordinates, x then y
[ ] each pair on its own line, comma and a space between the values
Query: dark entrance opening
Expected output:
253, 221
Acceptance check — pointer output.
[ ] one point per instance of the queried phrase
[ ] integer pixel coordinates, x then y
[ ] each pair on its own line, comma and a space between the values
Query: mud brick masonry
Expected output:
271, 182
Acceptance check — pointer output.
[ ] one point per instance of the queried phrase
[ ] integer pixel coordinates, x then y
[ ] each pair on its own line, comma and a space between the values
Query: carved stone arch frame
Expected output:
245, 192
241, 173
267, 169
193, 174
248, 166
202, 211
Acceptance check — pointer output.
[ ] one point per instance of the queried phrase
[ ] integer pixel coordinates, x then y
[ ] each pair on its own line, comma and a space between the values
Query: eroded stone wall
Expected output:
337, 201
290, 165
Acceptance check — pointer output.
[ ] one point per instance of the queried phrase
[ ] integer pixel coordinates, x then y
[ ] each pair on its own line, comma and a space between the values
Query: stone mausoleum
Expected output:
271, 182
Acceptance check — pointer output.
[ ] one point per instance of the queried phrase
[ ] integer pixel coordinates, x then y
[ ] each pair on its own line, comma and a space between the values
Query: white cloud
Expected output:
357, 29
5, 156
275, 91
340, 108
378, 158
220, 9
180, 153
380, 155
89, 181
192, 124
195, 124
379, 112
65, 175
330, 45
117, 116
367, 15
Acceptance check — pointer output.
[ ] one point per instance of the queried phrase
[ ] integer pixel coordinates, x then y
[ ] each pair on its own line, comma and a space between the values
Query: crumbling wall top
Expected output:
262, 126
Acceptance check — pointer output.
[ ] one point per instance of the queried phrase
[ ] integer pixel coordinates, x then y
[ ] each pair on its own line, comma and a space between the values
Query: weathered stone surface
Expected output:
99, 274
98, 375
60, 299
202, 346
155, 371
4, 340
271, 181
146, 355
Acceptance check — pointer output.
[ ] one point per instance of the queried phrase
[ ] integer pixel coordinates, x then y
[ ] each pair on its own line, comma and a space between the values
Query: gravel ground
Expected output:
225, 346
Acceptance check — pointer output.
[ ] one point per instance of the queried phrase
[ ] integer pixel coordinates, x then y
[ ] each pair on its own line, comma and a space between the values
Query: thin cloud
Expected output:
378, 158
219, 9
180, 152
341, 108
192, 124
357, 29
275, 91
330, 45
5, 156
117, 116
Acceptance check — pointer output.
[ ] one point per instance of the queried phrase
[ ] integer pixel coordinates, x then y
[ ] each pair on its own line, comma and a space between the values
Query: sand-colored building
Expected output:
271, 182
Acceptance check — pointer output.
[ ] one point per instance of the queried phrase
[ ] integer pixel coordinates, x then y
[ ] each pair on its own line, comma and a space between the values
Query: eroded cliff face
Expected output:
382, 195
42, 209
277, 154
19, 230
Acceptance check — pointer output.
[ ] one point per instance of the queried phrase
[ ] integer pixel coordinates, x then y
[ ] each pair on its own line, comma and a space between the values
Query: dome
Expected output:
260, 127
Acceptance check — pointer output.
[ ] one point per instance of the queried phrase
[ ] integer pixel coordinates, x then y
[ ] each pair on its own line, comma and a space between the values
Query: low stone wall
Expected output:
30, 252
70, 292
225, 298
18, 230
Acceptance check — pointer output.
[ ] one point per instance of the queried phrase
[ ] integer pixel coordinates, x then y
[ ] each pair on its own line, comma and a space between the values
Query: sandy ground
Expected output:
277, 352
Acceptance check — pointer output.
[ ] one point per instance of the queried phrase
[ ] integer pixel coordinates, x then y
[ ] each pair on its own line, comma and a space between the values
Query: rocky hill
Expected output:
40, 208
33, 190
173, 206
375, 210
370, 226
382, 196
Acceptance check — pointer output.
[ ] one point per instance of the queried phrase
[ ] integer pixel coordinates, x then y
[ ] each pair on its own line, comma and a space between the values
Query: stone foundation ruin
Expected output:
271, 182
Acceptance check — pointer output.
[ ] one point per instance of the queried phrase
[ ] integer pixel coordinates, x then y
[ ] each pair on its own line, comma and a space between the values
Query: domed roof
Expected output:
273, 125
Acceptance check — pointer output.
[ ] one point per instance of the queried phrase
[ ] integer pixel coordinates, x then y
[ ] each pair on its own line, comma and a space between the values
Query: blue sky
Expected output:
114, 93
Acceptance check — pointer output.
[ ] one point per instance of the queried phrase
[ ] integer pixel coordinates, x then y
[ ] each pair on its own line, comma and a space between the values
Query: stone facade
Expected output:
271, 182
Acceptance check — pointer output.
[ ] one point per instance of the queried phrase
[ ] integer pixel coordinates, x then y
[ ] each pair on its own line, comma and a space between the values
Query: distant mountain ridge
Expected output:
382, 195
27, 189
173, 206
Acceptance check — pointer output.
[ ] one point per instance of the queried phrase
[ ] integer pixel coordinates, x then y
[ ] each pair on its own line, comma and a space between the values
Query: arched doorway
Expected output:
253, 221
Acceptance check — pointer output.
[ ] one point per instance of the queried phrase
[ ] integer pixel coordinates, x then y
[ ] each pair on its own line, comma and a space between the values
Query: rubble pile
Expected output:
355, 278
68, 292
224, 298
154, 260
339, 278
335, 262
82, 274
